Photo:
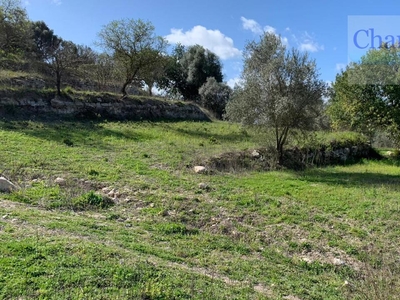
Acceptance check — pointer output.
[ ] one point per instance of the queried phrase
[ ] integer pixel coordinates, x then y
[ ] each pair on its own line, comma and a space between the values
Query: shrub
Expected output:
214, 96
91, 200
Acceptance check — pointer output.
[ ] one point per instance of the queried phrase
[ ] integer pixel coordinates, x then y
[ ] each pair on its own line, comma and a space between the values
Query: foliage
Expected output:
90, 200
366, 96
44, 39
14, 27
214, 96
65, 56
133, 45
280, 90
152, 73
188, 69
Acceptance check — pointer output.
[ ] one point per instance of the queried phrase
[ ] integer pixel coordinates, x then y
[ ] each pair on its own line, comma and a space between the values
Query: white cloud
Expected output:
269, 29
285, 41
251, 25
308, 43
255, 27
213, 40
340, 67
56, 2
287, 29
233, 81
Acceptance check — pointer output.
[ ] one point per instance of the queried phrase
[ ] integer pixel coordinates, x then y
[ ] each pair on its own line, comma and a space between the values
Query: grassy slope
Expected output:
326, 233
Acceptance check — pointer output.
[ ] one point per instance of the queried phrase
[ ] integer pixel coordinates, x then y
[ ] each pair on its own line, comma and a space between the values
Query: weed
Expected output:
91, 200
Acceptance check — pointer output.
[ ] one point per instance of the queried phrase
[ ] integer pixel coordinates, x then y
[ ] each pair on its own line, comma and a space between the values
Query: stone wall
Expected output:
264, 159
107, 106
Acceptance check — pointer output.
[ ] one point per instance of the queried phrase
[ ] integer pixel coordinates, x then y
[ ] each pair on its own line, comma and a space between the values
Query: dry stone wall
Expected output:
129, 109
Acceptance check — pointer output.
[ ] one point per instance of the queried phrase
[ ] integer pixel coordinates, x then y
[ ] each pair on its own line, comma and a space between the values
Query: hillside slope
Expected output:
113, 210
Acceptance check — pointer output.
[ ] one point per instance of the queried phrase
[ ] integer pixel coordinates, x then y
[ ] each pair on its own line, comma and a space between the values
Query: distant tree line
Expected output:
133, 56
280, 88
365, 97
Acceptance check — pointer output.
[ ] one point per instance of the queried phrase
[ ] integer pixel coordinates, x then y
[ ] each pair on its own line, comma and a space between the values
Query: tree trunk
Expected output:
280, 142
58, 83
123, 89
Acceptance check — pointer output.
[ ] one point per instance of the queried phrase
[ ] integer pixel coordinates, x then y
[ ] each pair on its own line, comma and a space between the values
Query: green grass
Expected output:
323, 233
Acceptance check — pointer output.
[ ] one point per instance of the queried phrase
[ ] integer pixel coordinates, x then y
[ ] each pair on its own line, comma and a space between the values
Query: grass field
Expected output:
323, 233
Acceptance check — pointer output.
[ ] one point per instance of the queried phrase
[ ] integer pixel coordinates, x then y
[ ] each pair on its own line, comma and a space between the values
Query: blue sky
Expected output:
317, 26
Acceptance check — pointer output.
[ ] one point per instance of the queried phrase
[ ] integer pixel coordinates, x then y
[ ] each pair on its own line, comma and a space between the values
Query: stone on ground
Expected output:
7, 186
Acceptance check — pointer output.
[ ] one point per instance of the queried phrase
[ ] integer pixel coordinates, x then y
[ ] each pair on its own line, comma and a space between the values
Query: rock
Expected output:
111, 193
338, 262
105, 190
6, 185
60, 181
307, 260
203, 186
200, 169
255, 154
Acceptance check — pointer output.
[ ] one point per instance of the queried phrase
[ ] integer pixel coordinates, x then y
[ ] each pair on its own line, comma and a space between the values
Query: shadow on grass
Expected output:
350, 179
212, 137
71, 133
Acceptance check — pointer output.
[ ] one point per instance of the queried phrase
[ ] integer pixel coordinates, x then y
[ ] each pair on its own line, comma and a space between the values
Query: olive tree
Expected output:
280, 90
214, 96
132, 43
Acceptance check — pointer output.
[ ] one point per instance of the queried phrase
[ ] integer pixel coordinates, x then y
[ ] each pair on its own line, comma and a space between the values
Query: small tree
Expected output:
214, 96
65, 57
132, 43
104, 71
280, 90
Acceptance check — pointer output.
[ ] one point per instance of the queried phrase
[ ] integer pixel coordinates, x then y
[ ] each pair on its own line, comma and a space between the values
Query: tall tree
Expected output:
44, 39
280, 90
132, 43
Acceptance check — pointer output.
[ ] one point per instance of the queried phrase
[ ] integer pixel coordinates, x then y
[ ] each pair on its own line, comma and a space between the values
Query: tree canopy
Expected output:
366, 96
14, 26
214, 96
280, 90
188, 69
133, 44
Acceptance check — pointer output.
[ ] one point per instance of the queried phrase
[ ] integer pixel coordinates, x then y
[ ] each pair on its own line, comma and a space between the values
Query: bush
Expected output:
215, 96
91, 200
